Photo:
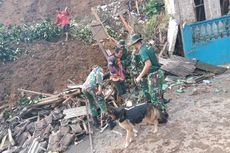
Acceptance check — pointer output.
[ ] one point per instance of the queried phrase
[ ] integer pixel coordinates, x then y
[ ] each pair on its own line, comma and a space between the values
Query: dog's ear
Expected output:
122, 115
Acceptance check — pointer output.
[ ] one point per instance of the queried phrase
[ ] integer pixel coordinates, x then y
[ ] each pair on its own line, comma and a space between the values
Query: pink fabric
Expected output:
120, 72
62, 18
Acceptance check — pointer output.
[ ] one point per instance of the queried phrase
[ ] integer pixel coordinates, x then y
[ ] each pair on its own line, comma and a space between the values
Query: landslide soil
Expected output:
48, 67
28, 11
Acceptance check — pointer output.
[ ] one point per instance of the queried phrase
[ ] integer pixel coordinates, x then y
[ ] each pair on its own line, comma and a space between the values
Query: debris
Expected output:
180, 90
206, 81
103, 129
34, 92
116, 132
210, 68
178, 68
3, 142
75, 112
12, 142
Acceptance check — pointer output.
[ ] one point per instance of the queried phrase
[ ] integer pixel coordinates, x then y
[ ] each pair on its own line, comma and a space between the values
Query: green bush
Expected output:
153, 7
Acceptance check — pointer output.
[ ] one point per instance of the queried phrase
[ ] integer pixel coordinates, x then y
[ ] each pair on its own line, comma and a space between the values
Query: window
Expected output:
224, 4
199, 10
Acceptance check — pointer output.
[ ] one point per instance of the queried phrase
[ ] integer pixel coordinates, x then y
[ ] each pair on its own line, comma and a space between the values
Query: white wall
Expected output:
212, 9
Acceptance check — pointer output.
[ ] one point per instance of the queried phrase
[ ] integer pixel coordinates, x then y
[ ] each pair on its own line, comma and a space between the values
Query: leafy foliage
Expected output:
82, 33
12, 36
111, 32
24, 101
153, 7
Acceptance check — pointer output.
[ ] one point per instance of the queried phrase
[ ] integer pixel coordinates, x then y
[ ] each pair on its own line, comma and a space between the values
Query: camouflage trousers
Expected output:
152, 88
93, 99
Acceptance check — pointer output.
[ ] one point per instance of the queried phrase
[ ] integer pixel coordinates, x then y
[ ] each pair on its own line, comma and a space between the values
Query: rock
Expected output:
54, 139
22, 138
76, 128
64, 130
65, 141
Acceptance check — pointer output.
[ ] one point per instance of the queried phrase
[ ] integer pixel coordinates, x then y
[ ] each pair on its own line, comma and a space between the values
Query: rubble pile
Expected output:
52, 123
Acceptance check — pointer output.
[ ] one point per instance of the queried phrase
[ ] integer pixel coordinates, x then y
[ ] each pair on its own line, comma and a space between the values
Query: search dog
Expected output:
128, 117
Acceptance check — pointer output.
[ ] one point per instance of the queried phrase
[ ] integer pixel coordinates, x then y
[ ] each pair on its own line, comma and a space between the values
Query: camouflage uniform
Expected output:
89, 89
151, 84
135, 68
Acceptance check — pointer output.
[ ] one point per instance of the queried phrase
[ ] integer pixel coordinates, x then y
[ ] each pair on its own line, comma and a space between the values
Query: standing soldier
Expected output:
151, 71
92, 89
135, 68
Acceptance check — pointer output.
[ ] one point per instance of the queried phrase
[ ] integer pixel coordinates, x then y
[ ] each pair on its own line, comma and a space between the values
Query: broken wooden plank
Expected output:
35, 92
181, 69
89, 128
74, 86
163, 50
11, 139
47, 101
71, 82
210, 68
75, 112
3, 142
127, 27
137, 7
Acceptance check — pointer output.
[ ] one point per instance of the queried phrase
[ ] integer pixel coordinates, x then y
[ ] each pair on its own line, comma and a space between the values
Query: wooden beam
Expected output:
35, 92
3, 142
47, 101
137, 7
94, 12
12, 142
163, 50
127, 26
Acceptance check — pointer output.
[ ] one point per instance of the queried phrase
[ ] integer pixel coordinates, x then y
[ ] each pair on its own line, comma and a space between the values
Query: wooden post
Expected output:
89, 128
94, 12
137, 7
127, 26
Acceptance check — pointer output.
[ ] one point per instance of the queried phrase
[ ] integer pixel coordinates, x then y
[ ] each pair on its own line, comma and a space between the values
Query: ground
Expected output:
199, 122
199, 118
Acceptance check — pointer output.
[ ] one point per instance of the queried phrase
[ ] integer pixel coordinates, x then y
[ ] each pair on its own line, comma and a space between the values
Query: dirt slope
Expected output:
24, 11
48, 68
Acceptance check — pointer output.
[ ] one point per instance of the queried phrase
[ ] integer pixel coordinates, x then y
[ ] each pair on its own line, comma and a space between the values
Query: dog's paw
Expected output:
155, 131
126, 145
135, 134
130, 140
135, 131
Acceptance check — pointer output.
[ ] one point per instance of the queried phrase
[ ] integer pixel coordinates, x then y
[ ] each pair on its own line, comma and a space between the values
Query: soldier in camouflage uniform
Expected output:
151, 77
135, 68
92, 89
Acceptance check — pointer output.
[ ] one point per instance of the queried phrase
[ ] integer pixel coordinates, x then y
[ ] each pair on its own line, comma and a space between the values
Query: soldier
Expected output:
151, 77
135, 68
92, 89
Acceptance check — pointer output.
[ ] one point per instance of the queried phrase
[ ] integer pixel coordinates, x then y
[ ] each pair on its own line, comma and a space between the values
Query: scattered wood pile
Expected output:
52, 124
